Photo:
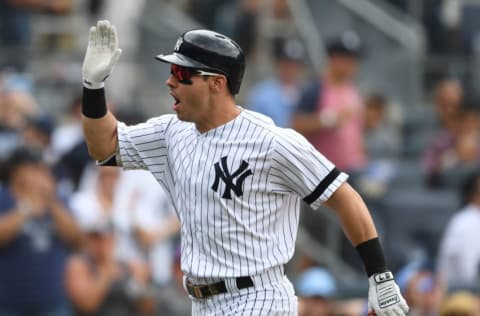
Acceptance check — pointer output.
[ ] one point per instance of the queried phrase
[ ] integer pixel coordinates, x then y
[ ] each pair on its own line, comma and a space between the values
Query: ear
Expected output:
218, 83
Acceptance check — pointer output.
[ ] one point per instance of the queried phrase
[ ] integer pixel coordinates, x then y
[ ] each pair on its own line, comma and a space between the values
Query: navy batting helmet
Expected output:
208, 50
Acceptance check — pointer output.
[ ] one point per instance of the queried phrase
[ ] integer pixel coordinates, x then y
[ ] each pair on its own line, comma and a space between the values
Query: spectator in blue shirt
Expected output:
276, 97
35, 230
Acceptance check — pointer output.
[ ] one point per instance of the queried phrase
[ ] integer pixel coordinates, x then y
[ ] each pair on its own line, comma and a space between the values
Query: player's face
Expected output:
189, 89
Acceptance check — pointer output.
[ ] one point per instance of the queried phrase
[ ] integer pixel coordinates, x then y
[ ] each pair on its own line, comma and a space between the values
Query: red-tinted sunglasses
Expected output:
184, 75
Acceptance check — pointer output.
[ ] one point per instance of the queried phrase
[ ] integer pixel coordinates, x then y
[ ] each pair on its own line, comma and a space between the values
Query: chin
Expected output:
183, 117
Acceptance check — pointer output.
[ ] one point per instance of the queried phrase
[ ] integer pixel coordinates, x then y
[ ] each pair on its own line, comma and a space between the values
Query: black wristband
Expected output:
93, 103
372, 256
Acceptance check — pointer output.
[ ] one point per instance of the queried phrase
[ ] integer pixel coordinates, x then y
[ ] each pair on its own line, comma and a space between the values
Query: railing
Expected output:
386, 19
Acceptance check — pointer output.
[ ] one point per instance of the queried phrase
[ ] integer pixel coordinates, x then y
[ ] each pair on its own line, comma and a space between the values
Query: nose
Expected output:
171, 81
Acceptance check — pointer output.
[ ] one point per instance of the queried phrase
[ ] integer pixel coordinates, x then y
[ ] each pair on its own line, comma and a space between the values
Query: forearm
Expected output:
10, 226
354, 216
359, 228
99, 125
90, 294
65, 225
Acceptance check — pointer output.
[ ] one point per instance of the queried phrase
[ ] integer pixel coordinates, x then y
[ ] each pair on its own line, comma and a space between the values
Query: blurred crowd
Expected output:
78, 239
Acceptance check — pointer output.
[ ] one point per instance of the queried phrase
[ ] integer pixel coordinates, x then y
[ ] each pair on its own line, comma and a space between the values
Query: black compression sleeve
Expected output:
372, 256
93, 103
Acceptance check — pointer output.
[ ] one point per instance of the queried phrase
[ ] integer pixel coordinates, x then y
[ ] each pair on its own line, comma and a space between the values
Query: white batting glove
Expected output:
384, 297
102, 54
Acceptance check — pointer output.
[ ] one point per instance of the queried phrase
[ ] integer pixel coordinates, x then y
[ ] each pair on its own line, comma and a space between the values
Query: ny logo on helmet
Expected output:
178, 44
222, 172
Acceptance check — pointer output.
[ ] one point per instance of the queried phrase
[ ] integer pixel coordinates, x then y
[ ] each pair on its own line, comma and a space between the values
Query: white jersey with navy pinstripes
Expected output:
237, 188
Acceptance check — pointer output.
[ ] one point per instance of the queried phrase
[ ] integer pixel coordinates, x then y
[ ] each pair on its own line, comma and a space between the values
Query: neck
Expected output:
219, 114
333, 79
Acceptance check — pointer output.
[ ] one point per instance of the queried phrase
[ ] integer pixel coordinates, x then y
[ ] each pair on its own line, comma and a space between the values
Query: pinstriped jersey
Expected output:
236, 188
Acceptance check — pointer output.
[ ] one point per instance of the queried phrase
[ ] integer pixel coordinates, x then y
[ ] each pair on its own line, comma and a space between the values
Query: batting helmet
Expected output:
208, 50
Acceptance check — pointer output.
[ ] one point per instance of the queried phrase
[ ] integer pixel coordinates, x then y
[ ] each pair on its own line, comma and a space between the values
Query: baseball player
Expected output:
235, 179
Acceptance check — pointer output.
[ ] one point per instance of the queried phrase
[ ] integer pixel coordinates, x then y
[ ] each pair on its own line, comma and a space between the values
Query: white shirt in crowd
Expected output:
459, 255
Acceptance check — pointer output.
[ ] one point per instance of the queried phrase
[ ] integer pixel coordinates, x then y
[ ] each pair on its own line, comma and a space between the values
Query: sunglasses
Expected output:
184, 75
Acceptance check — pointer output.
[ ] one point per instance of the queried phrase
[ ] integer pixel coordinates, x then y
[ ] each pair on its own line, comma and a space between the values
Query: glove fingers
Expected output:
92, 36
398, 312
105, 34
98, 36
101, 32
404, 307
113, 39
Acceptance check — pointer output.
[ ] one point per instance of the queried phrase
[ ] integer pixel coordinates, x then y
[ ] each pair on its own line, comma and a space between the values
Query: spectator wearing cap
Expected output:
315, 288
277, 96
330, 110
36, 230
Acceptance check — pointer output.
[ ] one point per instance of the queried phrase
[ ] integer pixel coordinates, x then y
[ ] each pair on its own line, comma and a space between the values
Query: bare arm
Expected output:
10, 226
309, 123
87, 291
65, 225
306, 124
100, 135
353, 214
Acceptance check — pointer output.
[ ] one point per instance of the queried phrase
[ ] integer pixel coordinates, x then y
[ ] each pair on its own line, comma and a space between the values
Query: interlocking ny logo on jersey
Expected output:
239, 175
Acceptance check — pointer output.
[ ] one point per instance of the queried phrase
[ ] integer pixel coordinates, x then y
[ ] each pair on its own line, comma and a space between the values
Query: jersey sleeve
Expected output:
143, 146
297, 167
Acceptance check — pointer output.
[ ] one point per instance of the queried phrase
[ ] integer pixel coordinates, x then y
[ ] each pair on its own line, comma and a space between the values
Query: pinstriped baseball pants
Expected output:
272, 294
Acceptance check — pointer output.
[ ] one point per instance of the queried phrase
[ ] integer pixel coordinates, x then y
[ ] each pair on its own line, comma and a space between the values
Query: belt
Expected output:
207, 290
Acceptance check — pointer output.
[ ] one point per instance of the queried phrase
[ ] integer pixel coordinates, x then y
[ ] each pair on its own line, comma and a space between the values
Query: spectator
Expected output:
315, 288
448, 98
460, 303
419, 286
146, 214
69, 132
330, 111
245, 27
94, 210
458, 154
18, 103
35, 230
69, 151
459, 254
383, 145
98, 284
382, 133
16, 28
176, 298
276, 97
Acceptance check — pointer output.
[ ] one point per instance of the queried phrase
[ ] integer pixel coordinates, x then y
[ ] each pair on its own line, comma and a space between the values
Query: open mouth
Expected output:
177, 100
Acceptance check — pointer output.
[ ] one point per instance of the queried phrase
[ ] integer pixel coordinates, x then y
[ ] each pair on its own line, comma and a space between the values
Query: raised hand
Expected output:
101, 56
